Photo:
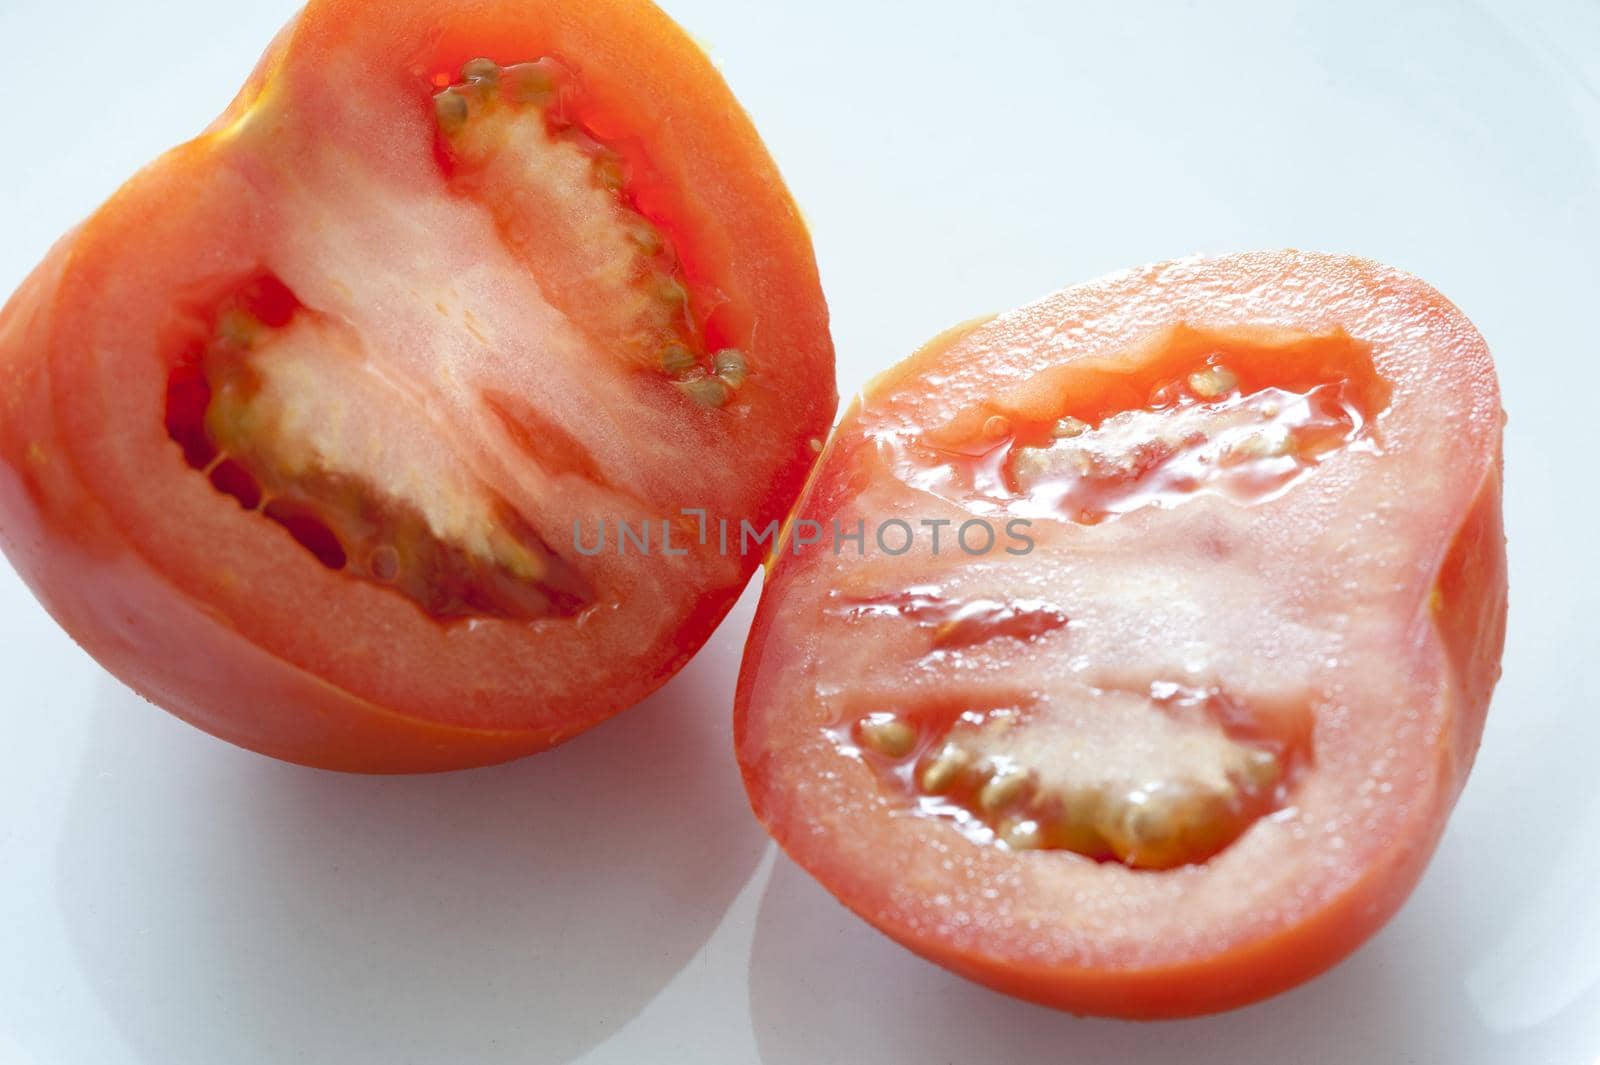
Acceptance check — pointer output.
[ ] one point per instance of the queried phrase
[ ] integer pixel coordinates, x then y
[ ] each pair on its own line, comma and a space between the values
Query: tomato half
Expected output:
1173, 715
360, 429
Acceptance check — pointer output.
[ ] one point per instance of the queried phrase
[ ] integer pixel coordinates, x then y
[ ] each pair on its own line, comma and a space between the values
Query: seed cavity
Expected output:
954, 624
1152, 780
1212, 437
273, 407
1244, 413
565, 201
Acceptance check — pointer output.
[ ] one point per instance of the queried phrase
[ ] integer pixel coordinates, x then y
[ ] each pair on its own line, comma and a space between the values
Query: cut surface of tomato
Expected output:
1173, 718
310, 433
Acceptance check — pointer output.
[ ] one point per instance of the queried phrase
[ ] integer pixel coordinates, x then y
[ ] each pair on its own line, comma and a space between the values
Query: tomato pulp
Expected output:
1175, 718
302, 433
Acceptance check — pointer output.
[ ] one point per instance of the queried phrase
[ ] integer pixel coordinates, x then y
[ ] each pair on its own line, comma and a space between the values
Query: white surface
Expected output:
167, 899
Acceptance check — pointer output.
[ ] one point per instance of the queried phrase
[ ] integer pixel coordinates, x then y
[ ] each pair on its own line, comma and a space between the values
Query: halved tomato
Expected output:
1154, 633
360, 430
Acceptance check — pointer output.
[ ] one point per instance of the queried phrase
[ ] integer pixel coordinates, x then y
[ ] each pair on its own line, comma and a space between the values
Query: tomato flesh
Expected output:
1198, 742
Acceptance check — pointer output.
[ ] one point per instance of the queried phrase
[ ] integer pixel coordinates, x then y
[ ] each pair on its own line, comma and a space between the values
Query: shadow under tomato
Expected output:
825, 987
227, 908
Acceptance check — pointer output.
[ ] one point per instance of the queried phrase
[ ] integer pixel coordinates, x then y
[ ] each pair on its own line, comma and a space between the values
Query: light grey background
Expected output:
167, 899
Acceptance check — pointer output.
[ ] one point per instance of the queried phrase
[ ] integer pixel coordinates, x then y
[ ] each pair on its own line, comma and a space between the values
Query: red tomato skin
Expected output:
92, 567
1466, 621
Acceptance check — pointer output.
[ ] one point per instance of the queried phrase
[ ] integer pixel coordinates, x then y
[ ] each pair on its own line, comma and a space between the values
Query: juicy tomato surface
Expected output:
1172, 718
312, 433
